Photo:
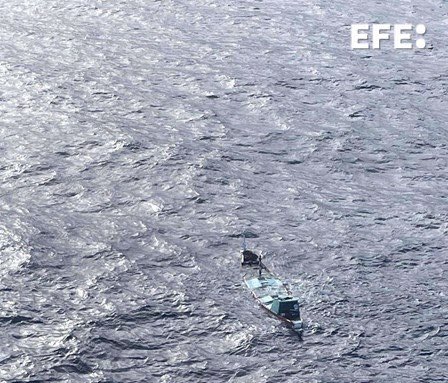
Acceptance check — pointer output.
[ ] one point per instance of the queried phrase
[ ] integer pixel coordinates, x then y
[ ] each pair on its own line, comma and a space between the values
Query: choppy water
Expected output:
140, 138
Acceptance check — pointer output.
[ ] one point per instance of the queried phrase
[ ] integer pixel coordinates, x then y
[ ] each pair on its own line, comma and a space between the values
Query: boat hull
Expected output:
271, 293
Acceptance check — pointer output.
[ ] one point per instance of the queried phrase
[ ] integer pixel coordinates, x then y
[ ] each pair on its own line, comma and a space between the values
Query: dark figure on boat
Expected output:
250, 258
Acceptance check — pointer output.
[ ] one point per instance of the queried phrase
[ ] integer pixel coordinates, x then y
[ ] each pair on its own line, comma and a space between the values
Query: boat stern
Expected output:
297, 326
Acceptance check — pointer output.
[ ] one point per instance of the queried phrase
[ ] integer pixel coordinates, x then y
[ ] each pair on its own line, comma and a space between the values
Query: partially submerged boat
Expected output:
270, 292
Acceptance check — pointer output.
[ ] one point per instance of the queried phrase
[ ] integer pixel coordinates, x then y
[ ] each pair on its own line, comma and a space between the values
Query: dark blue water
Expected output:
139, 139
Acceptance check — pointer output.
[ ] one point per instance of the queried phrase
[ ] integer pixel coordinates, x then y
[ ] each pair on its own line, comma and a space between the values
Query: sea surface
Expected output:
138, 141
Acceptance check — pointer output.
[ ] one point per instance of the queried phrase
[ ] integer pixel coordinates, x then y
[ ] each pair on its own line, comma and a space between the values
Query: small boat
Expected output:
270, 292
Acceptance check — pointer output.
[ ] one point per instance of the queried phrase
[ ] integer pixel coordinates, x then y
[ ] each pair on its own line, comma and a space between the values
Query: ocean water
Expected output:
139, 139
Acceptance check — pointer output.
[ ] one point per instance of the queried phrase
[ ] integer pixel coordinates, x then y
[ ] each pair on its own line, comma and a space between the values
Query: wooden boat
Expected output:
270, 292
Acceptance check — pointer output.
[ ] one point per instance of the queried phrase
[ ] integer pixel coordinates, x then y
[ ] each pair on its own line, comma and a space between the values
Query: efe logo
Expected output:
402, 34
